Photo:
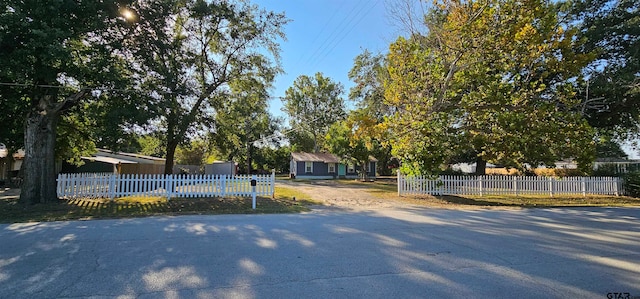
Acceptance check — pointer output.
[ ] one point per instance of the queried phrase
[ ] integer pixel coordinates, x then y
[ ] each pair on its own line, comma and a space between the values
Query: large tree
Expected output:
53, 54
491, 77
369, 73
187, 52
611, 95
243, 122
352, 140
313, 104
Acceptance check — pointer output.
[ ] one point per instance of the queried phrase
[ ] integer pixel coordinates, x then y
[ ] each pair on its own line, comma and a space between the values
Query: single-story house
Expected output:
117, 162
10, 164
325, 166
617, 165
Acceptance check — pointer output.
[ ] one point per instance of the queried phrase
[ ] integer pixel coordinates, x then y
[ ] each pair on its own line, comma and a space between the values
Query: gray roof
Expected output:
320, 157
315, 157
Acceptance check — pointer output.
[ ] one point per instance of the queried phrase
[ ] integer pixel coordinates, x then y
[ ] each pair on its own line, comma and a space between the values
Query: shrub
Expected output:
557, 172
607, 170
502, 171
632, 183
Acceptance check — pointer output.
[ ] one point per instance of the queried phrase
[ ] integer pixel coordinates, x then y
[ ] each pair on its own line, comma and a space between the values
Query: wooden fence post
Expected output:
60, 185
551, 186
223, 185
399, 182
273, 183
168, 183
112, 187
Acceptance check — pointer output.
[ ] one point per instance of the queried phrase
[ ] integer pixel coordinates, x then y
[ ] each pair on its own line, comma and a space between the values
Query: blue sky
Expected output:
325, 36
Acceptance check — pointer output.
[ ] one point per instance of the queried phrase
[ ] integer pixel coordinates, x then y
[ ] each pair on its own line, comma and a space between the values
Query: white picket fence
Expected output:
507, 185
107, 185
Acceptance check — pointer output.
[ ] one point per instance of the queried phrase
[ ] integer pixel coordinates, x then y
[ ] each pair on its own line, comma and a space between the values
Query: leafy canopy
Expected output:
611, 28
188, 52
491, 77
313, 104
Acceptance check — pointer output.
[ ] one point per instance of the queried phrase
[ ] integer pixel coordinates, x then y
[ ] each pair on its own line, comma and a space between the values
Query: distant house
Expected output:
617, 165
10, 164
117, 162
325, 166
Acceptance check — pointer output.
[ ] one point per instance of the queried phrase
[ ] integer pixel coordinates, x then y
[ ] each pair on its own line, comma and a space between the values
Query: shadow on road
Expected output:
404, 252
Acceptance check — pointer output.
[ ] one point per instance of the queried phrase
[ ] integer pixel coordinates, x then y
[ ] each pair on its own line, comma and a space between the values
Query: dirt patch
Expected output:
369, 196
336, 194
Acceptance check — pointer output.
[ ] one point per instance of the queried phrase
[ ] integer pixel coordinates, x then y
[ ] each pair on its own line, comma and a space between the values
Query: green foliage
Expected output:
509, 100
198, 51
74, 139
195, 153
313, 104
632, 184
606, 148
369, 74
242, 124
614, 169
151, 145
55, 55
300, 141
346, 139
276, 158
611, 28
46, 43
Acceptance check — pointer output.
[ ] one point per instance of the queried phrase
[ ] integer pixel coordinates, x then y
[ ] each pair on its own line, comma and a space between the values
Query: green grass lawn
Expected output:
388, 190
287, 200
11, 211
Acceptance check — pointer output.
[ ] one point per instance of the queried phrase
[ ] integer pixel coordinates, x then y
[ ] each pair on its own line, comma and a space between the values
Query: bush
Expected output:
558, 172
607, 170
632, 183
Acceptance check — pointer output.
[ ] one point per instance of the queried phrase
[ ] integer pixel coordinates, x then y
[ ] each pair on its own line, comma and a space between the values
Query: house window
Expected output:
332, 167
308, 166
352, 168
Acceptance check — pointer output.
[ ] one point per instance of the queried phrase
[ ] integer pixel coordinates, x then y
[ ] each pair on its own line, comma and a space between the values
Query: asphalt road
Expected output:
401, 253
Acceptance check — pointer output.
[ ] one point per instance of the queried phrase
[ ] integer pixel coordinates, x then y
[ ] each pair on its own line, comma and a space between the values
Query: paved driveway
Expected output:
400, 253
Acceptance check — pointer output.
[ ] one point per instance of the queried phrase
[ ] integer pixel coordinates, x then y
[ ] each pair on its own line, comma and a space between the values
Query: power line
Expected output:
346, 34
283, 133
341, 25
326, 24
339, 34
13, 84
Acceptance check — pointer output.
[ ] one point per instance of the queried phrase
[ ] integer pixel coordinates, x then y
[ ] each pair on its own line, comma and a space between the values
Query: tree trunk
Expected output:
316, 148
39, 185
171, 152
481, 166
363, 169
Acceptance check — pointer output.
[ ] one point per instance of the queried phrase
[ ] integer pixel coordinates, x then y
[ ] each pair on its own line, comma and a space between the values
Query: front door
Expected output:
342, 169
